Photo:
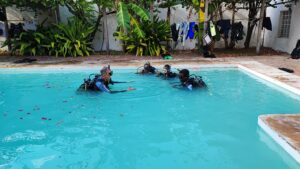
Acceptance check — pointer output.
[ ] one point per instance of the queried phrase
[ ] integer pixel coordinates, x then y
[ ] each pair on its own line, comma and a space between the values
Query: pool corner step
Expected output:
285, 130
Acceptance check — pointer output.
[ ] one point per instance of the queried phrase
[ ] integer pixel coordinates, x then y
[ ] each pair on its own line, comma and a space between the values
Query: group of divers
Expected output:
101, 82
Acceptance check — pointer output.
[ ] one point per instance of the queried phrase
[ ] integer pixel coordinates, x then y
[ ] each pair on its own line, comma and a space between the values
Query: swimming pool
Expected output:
44, 123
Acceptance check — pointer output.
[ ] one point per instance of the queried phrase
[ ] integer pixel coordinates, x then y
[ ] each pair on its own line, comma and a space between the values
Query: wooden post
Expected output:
6, 29
106, 31
261, 15
57, 13
205, 17
232, 41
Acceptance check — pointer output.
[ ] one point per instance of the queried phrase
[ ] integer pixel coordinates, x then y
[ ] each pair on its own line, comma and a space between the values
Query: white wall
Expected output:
15, 15
283, 44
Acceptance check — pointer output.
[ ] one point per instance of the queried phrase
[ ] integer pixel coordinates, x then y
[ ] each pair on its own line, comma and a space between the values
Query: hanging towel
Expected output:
2, 16
183, 32
212, 29
267, 23
237, 32
175, 32
225, 27
191, 32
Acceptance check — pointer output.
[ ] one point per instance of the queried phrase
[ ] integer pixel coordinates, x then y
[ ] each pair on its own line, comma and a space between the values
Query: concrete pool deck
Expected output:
284, 129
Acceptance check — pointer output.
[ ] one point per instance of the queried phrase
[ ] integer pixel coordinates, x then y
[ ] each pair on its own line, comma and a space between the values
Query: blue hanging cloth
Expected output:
191, 33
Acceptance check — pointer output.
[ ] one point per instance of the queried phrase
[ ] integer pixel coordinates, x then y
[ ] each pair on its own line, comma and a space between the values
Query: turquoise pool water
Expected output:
45, 124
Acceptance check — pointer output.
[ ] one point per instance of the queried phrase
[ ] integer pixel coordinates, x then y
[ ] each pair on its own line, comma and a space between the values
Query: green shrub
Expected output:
146, 38
71, 39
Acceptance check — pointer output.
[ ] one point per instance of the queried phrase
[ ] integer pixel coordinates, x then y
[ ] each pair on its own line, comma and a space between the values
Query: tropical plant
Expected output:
147, 38
28, 43
71, 39
127, 12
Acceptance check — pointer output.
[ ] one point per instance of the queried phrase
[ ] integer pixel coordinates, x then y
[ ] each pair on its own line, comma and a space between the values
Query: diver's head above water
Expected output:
167, 68
184, 75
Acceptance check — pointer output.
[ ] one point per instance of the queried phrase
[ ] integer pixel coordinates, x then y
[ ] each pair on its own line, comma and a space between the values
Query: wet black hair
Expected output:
168, 67
185, 72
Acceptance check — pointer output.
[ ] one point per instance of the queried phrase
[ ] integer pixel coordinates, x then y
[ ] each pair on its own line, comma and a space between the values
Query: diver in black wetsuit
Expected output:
147, 69
190, 82
167, 73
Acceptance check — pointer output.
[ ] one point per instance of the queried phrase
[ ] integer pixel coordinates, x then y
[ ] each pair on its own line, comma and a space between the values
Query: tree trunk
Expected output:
151, 11
251, 25
221, 17
232, 41
8, 36
106, 31
260, 26
169, 22
57, 12
249, 34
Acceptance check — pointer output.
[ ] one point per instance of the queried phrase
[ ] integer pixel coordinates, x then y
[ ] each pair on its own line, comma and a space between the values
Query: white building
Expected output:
286, 28
283, 37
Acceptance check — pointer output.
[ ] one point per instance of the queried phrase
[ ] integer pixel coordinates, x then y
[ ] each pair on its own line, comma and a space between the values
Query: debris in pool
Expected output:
59, 122
20, 110
21, 118
121, 115
70, 112
28, 113
4, 114
49, 119
44, 118
65, 101
36, 109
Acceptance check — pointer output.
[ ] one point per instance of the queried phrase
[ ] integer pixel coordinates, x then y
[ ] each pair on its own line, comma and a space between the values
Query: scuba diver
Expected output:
167, 73
147, 69
100, 82
190, 81
107, 69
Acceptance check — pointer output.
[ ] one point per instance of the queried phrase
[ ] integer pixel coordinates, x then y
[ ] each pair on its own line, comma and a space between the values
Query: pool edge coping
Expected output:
278, 139
269, 79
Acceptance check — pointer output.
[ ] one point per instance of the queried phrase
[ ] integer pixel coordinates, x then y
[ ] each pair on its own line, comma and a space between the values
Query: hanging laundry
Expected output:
196, 28
267, 23
191, 32
184, 28
237, 31
212, 29
30, 25
2, 29
175, 32
207, 40
296, 52
2, 16
15, 30
225, 27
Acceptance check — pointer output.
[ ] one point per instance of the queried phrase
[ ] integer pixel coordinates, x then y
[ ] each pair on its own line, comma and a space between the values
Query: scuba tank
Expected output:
197, 81
89, 83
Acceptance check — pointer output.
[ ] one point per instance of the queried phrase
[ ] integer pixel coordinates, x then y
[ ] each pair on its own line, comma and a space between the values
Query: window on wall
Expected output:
284, 24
